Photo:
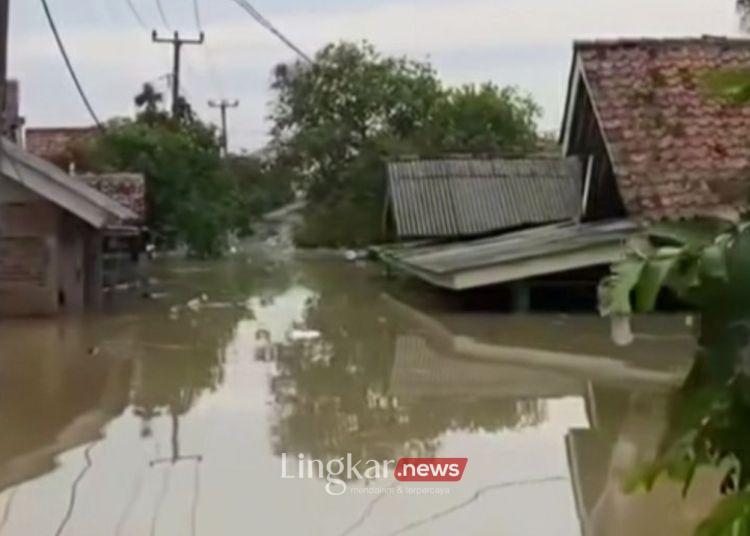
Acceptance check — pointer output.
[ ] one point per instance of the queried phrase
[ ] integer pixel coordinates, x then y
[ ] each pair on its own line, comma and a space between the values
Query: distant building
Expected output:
53, 229
60, 145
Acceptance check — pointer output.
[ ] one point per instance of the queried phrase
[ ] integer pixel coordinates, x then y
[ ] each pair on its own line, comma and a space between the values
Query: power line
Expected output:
197, 15
69, 65
162, 14
137, 16
254, 13
215, 78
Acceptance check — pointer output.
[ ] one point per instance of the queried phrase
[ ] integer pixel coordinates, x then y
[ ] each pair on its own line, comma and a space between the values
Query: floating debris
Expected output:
352, 255
295, 335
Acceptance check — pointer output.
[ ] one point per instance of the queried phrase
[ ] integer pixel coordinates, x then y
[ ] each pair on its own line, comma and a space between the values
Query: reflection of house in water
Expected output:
554, 343
423, 371
49, 366
626, 393
626, 431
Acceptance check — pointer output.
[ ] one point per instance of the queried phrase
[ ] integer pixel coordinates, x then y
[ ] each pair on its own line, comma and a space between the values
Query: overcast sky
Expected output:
510, 42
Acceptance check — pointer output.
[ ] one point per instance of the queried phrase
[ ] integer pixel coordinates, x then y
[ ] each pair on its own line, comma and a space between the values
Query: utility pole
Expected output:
223, 105
177, 43
4, 16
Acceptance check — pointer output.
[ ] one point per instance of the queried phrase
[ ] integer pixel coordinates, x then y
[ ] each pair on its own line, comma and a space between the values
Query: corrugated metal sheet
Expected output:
528, 244
441, 264
469, 197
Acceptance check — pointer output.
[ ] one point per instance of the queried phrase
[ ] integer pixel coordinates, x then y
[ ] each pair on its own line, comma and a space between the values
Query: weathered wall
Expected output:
49, 259
12, 120
71, 273
29, 256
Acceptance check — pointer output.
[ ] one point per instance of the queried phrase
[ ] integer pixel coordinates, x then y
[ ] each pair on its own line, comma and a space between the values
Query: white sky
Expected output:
515, 42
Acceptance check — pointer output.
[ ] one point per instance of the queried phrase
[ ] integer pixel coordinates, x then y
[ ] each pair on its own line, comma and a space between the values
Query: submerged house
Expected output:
52, 232
651, 144
657, 144
64, 147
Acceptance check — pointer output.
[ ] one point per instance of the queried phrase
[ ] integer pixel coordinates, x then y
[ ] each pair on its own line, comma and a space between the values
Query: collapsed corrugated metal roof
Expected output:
515, 256
470, 197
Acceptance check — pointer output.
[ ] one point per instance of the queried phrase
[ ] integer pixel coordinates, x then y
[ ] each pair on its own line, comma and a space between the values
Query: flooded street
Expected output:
170, 416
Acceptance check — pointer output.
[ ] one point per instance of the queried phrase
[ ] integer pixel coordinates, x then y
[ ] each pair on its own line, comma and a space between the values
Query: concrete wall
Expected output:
43, 255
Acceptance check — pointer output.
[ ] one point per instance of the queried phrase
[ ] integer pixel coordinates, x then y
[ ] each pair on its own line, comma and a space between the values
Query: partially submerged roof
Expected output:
471, 197
515, 256
677, 150
50, 182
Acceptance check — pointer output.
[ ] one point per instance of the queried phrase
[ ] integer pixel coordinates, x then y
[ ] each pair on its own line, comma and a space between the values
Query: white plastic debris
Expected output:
303, 335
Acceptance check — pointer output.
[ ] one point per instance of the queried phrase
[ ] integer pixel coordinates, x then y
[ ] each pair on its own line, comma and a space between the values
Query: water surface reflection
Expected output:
169, 416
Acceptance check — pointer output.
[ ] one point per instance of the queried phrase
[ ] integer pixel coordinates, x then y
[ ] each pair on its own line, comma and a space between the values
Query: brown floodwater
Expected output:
171, 415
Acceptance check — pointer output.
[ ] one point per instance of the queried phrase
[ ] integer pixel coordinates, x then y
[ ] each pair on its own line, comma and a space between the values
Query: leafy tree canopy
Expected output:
194, 196
337, 120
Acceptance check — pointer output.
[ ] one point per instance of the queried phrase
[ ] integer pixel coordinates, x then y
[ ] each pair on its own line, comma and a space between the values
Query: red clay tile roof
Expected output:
677, 150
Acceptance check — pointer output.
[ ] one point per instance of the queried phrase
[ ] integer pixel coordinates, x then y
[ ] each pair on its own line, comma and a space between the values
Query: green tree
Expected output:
704, 262
148, 100
194, 196
483, 119
189, 200
336, 122
259, 187
326, 113
743, 8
